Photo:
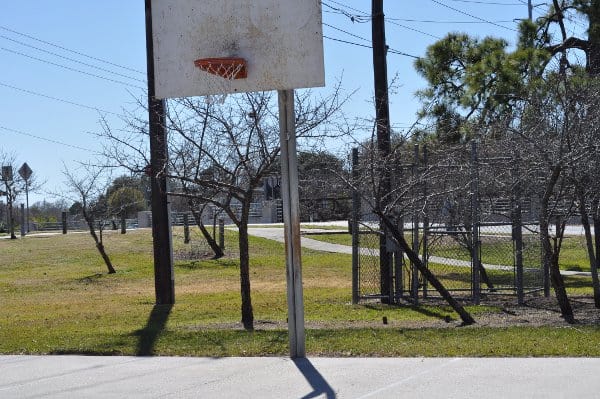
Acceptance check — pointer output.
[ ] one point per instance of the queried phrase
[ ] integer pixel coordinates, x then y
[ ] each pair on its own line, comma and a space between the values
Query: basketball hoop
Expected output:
228, 67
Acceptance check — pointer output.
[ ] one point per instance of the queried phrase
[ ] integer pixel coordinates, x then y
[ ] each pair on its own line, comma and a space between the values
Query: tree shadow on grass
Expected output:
155, 325
318, 383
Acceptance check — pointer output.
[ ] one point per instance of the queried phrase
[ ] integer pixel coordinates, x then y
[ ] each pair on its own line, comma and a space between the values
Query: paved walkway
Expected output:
166, 377
275, 233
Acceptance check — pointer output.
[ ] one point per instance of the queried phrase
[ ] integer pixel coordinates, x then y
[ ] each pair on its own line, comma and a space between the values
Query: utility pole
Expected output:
530, 10
382, 118
164, 281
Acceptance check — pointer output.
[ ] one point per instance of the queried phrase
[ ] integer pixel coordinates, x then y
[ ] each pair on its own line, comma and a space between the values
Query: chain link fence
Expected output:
462, 211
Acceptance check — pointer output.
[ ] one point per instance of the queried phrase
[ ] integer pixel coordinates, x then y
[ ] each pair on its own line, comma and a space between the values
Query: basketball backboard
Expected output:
281, 41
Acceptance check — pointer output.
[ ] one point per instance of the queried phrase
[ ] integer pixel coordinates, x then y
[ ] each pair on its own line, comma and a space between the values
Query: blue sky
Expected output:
54, 75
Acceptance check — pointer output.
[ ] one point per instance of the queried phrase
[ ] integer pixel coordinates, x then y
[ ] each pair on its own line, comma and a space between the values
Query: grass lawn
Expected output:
57, 298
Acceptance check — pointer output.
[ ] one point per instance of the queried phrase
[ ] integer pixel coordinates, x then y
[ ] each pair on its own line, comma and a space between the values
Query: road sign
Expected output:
25, 171
7, 173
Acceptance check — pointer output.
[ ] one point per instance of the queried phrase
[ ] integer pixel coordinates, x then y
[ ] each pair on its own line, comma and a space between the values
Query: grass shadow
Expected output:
91, 278
419, 309
155, 325
319, 384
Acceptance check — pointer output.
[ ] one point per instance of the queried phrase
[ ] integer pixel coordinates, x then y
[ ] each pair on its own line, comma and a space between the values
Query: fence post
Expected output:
398, 263
415, 235
186, 228
22, 220
425, 221
355, 227
64, 222
517, 232
476, 244
222, 234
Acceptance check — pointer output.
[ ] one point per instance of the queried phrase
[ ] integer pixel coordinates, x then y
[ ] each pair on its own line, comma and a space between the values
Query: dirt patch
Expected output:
537, 312
540, 311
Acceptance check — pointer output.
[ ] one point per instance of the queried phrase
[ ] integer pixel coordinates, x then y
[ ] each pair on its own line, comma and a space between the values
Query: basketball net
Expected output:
225, 71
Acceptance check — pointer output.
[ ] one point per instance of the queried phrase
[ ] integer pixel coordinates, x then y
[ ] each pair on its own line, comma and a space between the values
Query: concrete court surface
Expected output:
172, 377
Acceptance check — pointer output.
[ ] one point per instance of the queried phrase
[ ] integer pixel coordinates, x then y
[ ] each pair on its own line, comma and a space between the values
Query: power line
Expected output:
363, 17
413, 29
71, 59
45, 139
433, 21
489, 3
473, 16
69, 50
58, 99
346, 32
390, 50
71, 69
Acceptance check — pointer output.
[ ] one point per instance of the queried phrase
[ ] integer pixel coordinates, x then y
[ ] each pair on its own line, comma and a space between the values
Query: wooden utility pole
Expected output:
382, 118
164, 281
530, 10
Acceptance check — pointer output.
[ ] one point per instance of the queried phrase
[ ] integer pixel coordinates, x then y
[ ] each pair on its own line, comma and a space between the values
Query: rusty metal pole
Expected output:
291, 220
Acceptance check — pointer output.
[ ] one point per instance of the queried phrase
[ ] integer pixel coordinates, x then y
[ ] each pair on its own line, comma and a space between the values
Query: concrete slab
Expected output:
168, 377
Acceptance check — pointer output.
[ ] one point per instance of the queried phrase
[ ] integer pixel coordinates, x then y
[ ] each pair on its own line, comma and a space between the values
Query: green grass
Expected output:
57, 298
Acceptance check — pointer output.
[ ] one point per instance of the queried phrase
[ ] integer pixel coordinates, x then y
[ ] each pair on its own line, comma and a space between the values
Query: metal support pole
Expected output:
517, 234
398, 266
164, 280
415, 237
355, 229
425, 224
27, 203
475, 246
22, 220
291, 219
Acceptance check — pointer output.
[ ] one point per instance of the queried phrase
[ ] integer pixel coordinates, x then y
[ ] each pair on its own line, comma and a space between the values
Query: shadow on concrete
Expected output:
156, 324
315, 379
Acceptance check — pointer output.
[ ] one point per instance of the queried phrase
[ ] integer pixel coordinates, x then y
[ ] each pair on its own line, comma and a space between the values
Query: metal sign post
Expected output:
291, 219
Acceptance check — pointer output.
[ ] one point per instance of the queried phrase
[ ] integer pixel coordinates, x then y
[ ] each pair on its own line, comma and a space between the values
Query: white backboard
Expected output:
281, 40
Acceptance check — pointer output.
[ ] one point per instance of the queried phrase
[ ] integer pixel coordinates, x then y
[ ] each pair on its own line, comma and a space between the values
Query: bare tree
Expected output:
405, 198
220, 154
556, 144
90, 191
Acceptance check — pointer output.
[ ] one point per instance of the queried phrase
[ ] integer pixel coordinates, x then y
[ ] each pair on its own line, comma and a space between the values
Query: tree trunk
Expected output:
104, 255
247, 313
551, 256
593, 53
463, 239
11, 219
214, 246
99, 245
585, 221
414, 257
